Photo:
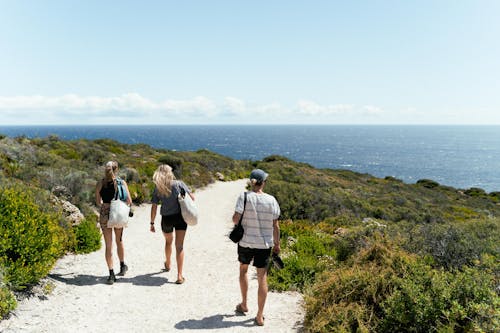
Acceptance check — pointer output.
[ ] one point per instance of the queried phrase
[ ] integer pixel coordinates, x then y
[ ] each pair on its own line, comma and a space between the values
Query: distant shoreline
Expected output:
461, 156
250, 125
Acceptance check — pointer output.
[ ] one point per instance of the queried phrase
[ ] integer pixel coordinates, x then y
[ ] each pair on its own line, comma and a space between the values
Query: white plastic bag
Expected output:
118, 214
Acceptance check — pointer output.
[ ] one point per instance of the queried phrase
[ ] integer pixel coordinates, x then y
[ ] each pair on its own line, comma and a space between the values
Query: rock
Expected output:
70, 211
219, 176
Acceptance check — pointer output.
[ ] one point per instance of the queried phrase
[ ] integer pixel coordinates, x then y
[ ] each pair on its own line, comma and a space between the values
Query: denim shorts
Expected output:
260, 256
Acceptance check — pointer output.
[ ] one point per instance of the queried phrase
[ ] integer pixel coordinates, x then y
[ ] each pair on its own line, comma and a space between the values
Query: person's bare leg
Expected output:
179, 252
262, 293
244, 287
108, 241
119, 244
169, 238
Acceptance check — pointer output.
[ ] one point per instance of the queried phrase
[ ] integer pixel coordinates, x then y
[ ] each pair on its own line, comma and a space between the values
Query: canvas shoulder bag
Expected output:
189, 211
118, 209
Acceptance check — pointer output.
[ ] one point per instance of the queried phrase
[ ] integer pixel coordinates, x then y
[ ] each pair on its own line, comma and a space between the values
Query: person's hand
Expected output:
276, 248
152, 228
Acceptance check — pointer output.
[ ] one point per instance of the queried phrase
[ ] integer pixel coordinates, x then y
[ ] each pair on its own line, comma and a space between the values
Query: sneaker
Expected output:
123, 270
111, 279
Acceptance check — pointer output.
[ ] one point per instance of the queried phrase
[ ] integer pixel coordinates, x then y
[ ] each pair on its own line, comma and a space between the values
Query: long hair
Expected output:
163, 178
110, 170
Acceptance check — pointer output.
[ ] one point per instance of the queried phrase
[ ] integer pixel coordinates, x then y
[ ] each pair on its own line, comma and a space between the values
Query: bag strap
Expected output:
180, 189
244, 205
119, 189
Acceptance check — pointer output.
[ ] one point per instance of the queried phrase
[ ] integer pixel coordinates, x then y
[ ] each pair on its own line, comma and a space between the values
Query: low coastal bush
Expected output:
384, 289
88, 237
138, 192
7, 301
302, 249
309, 250
31, 241
175, 162
451, 245
427, 183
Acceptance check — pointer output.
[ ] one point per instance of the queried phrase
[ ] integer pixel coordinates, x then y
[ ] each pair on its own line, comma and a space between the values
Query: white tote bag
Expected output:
118, 214
188, 209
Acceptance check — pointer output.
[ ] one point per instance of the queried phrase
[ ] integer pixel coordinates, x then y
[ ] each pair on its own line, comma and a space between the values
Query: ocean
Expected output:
458, 156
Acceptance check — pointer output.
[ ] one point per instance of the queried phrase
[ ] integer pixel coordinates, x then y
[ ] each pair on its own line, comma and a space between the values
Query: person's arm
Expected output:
240, 205
236, 217
98, 199
276, 236
154, 207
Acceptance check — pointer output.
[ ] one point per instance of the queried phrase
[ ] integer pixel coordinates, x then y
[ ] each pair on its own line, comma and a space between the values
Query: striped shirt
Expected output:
260, 211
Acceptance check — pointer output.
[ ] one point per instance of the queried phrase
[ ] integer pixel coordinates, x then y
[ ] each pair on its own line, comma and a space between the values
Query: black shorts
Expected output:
169, 222
260, 256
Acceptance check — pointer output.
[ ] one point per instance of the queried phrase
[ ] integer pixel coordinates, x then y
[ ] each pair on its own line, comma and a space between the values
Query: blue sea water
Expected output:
458, 156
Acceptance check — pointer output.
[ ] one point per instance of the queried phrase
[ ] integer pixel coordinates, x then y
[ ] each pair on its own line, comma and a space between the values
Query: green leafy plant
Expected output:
31, 241
384, 289
7, 301
88, 237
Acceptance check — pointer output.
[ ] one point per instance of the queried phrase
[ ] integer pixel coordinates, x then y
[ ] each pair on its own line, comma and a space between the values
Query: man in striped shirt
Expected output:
261, 234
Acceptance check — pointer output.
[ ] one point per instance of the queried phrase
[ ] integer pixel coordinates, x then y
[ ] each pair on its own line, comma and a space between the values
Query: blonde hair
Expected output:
110, 170
163, 178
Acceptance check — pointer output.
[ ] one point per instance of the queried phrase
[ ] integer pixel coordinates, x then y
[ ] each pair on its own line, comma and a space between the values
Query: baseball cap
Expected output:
259, 175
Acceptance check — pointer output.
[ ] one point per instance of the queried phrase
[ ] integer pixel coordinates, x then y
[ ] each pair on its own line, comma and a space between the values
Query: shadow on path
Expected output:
149, 280
215, 321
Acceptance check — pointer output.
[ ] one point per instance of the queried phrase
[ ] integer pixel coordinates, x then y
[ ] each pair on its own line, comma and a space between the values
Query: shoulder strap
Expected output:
244, 205
119, 192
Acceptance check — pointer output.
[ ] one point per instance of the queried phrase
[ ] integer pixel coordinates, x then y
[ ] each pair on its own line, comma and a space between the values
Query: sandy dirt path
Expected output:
147, 299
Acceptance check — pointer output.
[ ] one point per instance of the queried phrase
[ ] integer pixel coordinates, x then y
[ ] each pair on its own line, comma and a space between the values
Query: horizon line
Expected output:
245, 124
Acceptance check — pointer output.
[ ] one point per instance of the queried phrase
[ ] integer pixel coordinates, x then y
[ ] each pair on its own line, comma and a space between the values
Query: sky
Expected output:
249, 62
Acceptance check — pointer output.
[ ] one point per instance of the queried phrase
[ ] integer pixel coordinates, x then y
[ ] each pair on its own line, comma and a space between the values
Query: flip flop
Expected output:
239, 309
180, 281
256, 322
277, 262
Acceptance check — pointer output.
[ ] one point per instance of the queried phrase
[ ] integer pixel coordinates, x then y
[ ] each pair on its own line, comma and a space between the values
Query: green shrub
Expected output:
384, 289
88, 237
454, 244
306, 253
31, 241
426, 300
428, 183
475, 192
138, 192
75, 183
494, 196
67, 153
175, 162
7, 301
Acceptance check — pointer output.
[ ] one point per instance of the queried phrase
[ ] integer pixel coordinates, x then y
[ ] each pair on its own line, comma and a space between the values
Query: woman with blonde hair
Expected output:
105, 191
166, 192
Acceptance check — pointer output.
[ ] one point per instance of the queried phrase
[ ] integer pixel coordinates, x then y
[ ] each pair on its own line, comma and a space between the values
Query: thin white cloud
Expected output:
372, 110
133, 108
310, 108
